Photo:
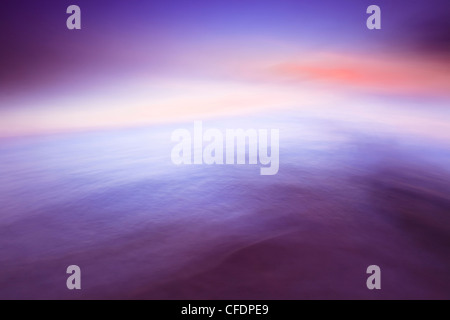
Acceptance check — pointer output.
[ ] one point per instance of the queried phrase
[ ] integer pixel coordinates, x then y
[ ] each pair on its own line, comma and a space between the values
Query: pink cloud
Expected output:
384, 74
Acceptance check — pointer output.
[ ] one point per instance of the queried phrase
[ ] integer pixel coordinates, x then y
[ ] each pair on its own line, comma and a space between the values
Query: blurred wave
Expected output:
140, 227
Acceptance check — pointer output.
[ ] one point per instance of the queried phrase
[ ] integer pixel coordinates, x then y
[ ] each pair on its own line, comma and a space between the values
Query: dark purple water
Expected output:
140, 227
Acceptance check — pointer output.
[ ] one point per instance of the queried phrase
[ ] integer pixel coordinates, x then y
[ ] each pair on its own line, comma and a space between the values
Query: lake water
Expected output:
112, 202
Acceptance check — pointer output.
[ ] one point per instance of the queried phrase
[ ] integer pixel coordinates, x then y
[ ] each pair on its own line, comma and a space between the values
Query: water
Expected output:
138, 226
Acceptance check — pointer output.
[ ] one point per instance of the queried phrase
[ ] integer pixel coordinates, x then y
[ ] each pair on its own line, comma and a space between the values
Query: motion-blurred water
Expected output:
139, 226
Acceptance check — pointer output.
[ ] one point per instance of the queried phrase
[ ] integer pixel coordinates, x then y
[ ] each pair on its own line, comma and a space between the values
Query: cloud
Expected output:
378, 74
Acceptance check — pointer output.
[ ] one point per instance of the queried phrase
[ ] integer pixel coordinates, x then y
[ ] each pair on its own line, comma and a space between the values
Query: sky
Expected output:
364, 124
143, 62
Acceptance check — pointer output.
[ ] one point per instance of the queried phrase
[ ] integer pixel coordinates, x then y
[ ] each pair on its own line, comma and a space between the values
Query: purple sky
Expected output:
128, 43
